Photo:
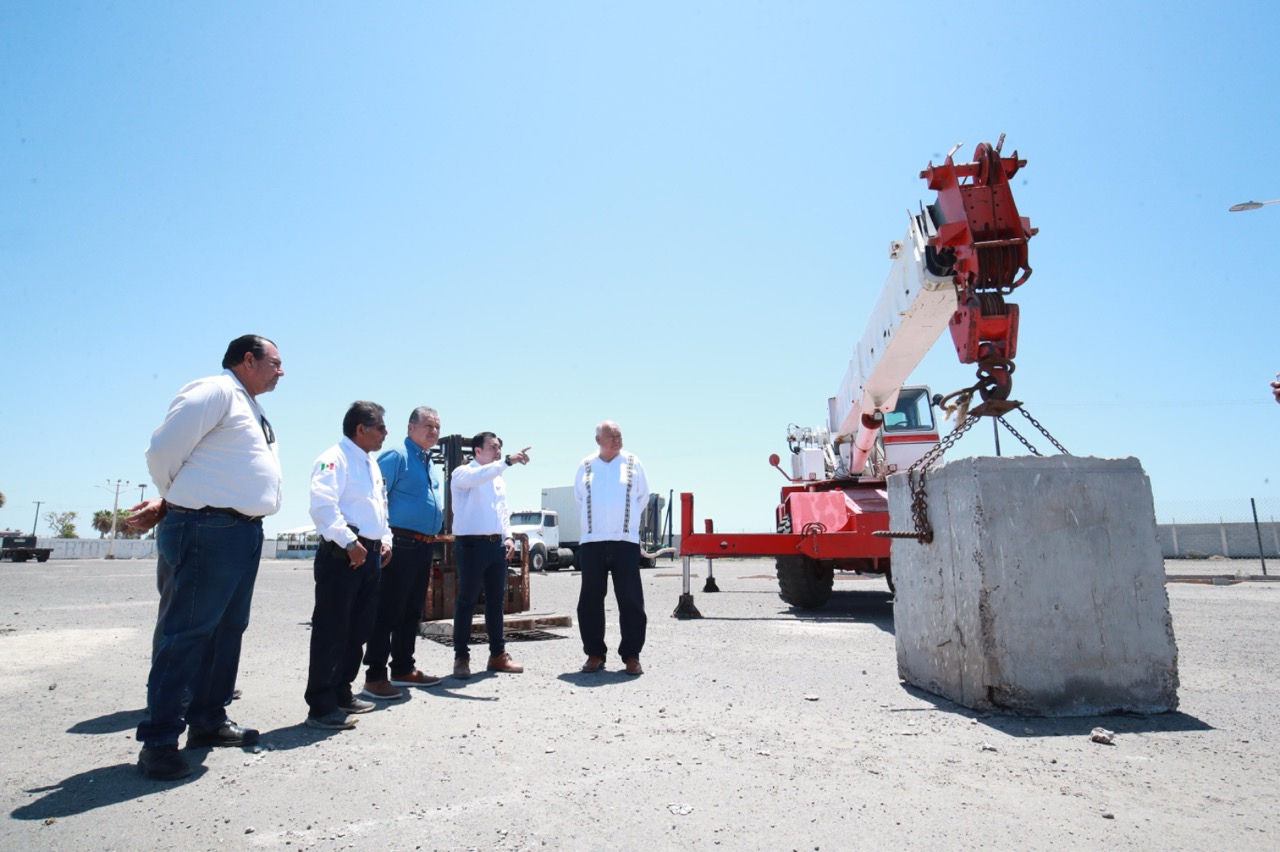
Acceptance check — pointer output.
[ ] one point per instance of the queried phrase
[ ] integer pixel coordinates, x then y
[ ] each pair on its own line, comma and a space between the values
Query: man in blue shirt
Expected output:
415, 512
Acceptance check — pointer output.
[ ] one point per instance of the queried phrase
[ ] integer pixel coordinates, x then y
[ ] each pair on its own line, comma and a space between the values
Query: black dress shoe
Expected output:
162, 763
229, 734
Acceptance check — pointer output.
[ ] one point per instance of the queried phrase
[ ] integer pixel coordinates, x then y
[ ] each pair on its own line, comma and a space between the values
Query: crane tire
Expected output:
803, 582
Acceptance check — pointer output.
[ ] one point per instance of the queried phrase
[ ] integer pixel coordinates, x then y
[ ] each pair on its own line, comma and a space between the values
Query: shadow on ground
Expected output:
111, 723
101, 788
1065, 726
844, 607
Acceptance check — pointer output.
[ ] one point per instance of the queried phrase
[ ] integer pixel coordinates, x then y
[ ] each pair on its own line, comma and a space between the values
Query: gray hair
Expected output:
422, 412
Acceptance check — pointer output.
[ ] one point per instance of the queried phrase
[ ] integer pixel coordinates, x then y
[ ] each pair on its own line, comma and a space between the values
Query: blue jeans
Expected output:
402, 592
481, 564
164, 585
346, 604
597, 560
214, 559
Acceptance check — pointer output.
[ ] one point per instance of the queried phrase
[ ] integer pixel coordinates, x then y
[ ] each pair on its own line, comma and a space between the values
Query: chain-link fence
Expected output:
1201, 528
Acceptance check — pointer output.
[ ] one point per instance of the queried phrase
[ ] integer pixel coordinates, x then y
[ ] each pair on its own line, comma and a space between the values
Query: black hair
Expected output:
245, 344
361, 413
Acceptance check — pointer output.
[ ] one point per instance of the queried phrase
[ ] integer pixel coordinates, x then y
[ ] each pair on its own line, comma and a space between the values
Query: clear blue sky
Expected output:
426, 203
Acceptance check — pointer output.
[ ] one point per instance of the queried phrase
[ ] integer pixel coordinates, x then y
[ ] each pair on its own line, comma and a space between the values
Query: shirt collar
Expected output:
351, 448
412, 448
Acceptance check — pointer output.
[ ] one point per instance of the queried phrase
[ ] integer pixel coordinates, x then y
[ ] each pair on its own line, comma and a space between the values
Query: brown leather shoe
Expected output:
414, 678
462, 667
594, 663
633, 666
504, 663
380, 690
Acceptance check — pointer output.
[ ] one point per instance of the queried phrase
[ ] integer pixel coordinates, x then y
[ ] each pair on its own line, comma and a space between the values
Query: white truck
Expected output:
555, 530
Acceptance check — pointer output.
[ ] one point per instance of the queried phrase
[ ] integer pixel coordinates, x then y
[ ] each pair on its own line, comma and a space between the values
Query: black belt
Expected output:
416, 536
492, 537
216, 510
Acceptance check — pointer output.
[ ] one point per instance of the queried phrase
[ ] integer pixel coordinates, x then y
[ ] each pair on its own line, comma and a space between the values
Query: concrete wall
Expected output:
1042, 592
127, 548
96, 548
1235, 540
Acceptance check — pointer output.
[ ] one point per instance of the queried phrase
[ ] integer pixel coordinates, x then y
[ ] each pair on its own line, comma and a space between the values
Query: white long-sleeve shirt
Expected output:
479, 499
347, 488
213, 450
611, 497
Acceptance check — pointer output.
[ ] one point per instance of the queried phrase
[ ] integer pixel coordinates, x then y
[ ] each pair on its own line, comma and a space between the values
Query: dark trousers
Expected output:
597, 560
481, 564
402, 591
346, 605
213, 559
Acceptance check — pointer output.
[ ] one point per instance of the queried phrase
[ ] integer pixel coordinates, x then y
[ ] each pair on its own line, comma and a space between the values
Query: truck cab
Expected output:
542, 526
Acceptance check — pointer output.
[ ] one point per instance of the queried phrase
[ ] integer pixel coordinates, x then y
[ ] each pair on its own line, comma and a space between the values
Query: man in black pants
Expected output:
612, 492
414, 510
349, 508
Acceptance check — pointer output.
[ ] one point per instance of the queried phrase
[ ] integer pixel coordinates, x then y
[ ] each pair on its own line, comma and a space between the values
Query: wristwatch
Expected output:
350, 547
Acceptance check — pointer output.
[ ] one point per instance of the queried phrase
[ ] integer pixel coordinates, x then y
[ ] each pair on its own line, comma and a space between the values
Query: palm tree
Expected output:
102, 523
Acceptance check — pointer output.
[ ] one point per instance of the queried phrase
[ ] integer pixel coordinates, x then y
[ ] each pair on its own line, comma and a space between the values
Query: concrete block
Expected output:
1043, 591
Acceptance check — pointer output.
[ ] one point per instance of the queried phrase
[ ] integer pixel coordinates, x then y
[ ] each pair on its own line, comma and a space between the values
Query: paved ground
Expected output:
753, 728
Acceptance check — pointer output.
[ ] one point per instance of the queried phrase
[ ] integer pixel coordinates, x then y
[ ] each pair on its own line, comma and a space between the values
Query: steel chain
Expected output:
918, 473
1043, 431
1006, 424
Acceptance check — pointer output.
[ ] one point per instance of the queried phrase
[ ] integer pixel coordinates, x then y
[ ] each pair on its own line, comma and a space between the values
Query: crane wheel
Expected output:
803, 582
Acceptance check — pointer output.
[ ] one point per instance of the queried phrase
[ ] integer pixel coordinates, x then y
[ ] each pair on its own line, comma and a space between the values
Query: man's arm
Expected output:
641, 485
390, 462
579, 484
328, 478
469, 476
196, 412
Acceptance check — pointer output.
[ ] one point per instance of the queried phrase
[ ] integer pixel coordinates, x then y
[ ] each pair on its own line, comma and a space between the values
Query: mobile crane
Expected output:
961, 256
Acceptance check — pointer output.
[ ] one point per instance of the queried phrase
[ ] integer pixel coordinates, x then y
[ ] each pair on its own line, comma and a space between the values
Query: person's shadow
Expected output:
100, 788
110, 785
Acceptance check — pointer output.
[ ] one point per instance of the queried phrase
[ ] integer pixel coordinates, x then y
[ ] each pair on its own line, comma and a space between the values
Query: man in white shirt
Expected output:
482, 546
214, 463
612, 492
349, 508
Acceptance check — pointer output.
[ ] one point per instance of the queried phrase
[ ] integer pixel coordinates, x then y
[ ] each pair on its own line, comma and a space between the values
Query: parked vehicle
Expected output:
543, 526
20, 548
959, 259
555, 530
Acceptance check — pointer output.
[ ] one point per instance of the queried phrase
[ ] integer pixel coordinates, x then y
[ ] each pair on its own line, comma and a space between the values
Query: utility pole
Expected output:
142, 489
36, 522
115, 510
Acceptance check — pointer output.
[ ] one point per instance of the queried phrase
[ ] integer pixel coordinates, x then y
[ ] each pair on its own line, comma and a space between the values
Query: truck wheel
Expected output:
803, 582
21, 557
564, 557
43, 558
537, 558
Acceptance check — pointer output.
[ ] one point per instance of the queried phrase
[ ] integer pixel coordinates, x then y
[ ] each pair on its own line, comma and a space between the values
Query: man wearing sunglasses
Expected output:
349, 508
